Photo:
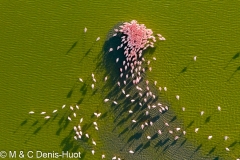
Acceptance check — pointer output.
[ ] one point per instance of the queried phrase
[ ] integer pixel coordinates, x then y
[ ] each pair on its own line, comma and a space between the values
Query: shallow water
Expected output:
44, 52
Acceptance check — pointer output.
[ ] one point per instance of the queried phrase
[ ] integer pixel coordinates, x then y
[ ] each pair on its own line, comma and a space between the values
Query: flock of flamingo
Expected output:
135, 38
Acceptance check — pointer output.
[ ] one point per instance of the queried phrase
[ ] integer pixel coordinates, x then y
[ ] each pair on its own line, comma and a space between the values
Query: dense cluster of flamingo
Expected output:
135, 38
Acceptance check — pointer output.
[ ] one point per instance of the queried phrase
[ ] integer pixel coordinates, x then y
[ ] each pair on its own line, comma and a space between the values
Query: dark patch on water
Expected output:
73, 45
24, 122
61, 120
94, 92
70, 93
86, 126
46, 121
173, 119
37, 130
147, 145
212, 150
80, 101
55, 116
184, 70
185, 140
154, 136
236, 56
207, 120
66, 123
104, 115
174, 142
190, 124
124, 131
151, 50
88, 52
237, 69
161, 143
68, 146
83, 89
198, 148
139, 147
83, 154
135, 137
58, 131
165, 148
232, 59
35, 123
233, 144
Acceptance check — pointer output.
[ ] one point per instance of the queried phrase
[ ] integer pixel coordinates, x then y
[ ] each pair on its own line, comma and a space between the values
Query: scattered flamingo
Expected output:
106, 100
177, 96
98, 38
196, 130
131, 152
47, 117
103, 156
195, 58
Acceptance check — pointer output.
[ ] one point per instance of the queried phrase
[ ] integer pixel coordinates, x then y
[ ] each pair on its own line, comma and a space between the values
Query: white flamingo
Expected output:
93, 142
81, 120
98, 38
47, 117
196, 130
195, 58
103, 156
106, 100
131, 151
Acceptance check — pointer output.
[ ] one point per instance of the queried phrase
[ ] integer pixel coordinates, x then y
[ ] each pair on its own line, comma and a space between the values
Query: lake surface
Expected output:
44, 51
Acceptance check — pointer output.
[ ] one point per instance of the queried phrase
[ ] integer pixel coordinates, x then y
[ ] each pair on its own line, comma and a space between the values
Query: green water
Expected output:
38, 73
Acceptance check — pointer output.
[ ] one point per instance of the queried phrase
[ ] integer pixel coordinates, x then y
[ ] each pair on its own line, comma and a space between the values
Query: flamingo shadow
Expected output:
238, 69
233, 58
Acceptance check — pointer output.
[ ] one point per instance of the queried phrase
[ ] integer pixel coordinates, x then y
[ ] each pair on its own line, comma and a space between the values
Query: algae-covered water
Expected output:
44, 51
